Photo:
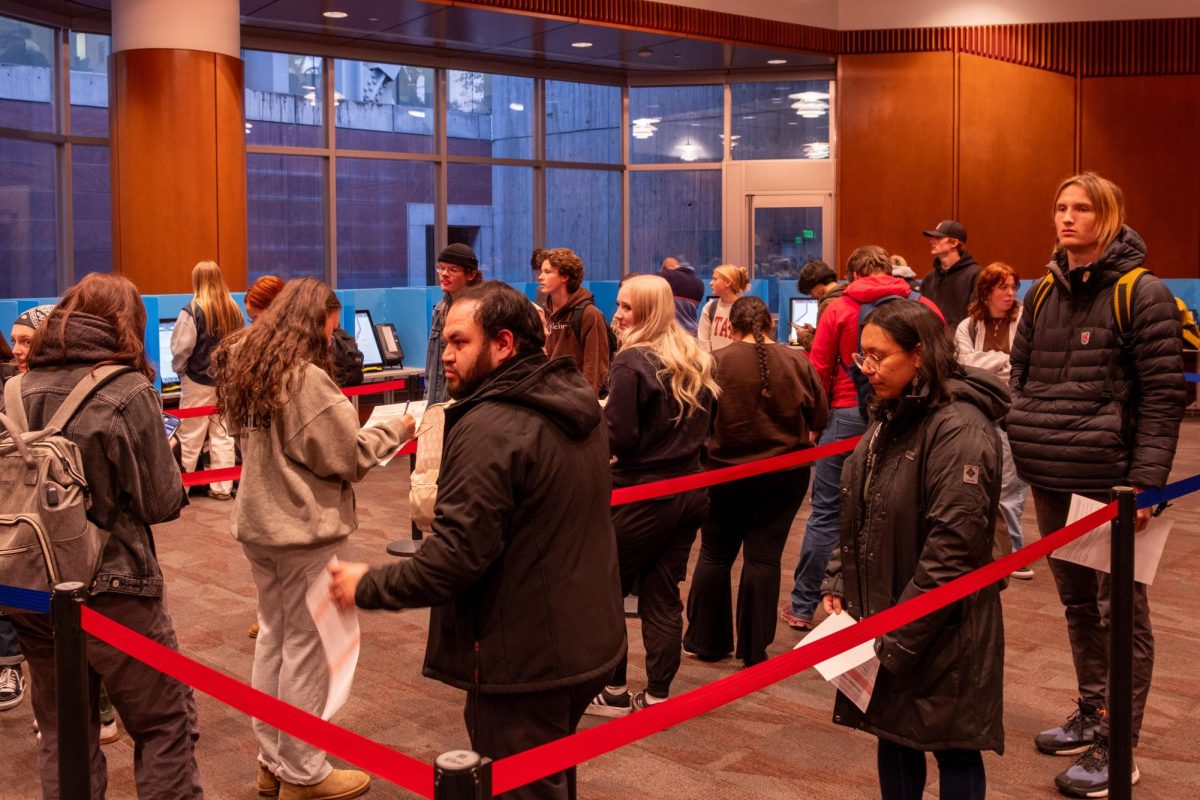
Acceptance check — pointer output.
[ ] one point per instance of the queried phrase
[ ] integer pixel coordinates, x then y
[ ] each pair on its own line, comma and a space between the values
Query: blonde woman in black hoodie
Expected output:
660, 403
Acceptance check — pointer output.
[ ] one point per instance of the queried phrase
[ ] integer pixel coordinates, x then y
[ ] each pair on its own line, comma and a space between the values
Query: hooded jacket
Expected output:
132, 476
923, 517
836, 339
521, 568
950, 288
590, 350
1087, 415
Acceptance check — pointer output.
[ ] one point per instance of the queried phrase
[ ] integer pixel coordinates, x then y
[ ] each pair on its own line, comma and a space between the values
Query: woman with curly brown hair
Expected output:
302, 448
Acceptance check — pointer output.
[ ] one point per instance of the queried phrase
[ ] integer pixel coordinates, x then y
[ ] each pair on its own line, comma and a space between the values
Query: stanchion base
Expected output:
404, 548
631, 606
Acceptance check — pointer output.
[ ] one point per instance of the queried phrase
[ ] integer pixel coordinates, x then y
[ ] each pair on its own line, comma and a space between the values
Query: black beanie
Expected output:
459, 254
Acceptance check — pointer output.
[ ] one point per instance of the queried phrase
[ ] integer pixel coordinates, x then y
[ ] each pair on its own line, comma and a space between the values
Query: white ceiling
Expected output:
872, 14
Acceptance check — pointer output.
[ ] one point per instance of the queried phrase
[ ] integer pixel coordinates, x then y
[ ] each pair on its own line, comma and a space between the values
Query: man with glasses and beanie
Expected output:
457, 268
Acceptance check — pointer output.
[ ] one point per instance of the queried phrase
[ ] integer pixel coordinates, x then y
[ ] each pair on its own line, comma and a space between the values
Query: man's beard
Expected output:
468, 383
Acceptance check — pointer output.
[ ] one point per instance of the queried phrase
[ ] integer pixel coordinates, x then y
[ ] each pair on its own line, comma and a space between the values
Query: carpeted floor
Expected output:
778, 743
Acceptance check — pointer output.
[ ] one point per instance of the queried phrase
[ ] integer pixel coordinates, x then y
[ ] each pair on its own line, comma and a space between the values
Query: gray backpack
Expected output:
45, 535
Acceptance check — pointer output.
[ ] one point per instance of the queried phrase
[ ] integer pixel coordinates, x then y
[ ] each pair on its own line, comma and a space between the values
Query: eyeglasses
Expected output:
870, 363
449, 269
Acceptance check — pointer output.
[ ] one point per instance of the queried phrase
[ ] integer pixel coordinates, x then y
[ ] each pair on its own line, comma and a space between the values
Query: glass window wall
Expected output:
583, 122
780, 119
676, 124
675, 213
285, 217
284, 96
28, 225
490, 208
489, 115
26, 75
92, 210
384, 222
583, 212
384, 106
89, 83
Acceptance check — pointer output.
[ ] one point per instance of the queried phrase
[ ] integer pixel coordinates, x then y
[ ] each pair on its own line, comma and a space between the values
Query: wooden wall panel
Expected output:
1016, 144
1141, 133
172, 134
895, 151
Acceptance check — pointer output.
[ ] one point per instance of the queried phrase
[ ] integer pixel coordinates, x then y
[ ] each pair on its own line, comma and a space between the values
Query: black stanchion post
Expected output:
462, 775
402, 548
71, 688
1120, 667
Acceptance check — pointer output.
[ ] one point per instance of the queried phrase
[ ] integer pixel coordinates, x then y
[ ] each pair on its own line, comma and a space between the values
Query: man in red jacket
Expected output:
836, 340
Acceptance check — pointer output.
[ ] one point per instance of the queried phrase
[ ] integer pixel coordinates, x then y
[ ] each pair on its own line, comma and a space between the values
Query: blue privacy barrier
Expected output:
24, 599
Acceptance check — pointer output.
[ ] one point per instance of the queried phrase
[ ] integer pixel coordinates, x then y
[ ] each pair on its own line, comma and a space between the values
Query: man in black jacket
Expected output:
521, 569
951, 282
1094, 409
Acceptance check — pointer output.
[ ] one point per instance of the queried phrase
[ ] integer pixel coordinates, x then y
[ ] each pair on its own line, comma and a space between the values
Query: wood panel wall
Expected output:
178, 167
895, 151
1141, 133
1016, 144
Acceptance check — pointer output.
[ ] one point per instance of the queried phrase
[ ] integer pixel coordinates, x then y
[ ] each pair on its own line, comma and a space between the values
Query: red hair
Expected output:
992, 277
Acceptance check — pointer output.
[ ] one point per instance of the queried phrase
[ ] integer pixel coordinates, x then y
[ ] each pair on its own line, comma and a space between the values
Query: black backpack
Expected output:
862, 386
577, 328
347, 359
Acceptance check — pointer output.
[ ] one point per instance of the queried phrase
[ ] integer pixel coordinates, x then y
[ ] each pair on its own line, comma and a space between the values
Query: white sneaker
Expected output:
1023, 574
12, 687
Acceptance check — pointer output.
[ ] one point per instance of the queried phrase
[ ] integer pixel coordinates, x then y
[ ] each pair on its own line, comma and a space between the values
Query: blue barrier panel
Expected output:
605, 295
25, 599
8, 315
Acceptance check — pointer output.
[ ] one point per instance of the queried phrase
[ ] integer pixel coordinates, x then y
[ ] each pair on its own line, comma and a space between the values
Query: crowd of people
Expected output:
963, 398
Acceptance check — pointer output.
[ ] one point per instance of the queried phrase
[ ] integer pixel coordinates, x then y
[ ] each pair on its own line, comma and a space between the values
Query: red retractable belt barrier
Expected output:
349, 391
531, 765
201, 477
389, 764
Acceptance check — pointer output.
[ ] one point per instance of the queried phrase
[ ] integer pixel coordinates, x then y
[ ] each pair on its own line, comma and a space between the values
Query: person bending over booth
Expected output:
521, 568
919, 500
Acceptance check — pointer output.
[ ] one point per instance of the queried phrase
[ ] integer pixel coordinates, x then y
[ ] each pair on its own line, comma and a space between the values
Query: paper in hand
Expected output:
1094, 549
339, 636
852, 672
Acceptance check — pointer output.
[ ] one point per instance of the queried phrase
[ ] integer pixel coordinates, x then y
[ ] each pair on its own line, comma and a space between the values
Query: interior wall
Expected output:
1141, 133
895, 151
902, 168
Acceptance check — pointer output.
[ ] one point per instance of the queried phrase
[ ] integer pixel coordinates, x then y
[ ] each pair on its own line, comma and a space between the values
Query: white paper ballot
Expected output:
1094, 549
393, 411
339, 636
852, 672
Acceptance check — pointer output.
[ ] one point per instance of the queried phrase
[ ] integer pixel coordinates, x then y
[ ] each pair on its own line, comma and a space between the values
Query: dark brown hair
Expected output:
990, 278
750, 314
868, 260
259, 367
569, 265
112, 298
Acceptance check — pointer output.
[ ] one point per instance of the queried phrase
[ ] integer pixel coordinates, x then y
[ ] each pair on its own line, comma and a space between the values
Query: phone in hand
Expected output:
170, 423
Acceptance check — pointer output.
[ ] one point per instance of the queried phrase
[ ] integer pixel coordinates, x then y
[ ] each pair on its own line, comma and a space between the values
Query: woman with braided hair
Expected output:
771, 403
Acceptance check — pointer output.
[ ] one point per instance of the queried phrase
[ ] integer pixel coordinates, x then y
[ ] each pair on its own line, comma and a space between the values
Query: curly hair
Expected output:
567, 264
749, 315
258, 368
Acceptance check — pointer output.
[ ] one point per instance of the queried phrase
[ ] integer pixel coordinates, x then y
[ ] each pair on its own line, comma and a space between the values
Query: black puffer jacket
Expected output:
521, 569
1087, 416
924, 518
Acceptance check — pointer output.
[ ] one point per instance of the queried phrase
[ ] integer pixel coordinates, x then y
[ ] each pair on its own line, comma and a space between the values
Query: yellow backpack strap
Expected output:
1040, 293
1191, 333
1123, 299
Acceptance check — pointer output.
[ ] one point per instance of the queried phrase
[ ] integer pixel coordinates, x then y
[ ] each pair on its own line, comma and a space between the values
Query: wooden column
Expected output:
178, 166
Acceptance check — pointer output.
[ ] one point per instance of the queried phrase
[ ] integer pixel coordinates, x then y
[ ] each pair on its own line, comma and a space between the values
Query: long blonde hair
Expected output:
738, 277
688, 369
212, 297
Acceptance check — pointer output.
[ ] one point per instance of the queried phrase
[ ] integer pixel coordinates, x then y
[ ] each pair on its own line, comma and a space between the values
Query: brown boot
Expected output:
254, 631
341, 784
268, 784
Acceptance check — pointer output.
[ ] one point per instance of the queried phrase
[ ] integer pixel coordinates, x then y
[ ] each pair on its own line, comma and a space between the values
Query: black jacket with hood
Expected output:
521, 569
132, 476
951, 288
923, 516
1088, 414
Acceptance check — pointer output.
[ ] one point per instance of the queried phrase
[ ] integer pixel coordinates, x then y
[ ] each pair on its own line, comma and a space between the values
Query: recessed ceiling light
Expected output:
416, 112
581, 44
777, 61
372, 19
645, 52
517, 106
335, 14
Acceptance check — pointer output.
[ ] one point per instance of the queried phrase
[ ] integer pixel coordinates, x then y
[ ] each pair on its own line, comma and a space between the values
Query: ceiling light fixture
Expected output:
810, 105
777, 61
645, 52
516, 106
581, 44
644, 127
335, 14
689, 151
816, 150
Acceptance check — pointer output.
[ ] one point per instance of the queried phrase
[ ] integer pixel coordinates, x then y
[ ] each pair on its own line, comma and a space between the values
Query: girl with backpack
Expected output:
660, 403
772, 403
728, 283
302, 448
204, 322
134, 483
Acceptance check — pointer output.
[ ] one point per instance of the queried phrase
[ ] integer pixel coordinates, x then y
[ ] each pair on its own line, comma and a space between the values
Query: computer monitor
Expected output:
170, 381
364, 337
803, 311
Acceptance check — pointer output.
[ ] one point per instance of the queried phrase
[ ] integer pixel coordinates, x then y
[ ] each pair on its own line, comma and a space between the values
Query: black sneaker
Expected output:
12, 687
642, 700
1075, 736
610, 704
1088, 776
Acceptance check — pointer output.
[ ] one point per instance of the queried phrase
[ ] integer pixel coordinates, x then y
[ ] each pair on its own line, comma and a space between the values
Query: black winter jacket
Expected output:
1086, 415
521, 569
923, 516
951, 289
132, 476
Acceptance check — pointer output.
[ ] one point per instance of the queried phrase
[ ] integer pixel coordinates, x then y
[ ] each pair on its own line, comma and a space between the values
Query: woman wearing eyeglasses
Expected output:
918, 506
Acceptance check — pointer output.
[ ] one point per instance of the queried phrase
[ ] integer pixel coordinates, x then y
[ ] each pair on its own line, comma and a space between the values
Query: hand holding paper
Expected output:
339, 634
852, 672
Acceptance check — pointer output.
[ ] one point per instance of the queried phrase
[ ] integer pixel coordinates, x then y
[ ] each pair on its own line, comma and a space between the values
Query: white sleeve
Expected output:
704, 329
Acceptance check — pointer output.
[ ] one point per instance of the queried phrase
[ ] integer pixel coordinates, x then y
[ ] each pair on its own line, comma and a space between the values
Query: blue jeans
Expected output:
10, 648
1013, 492
821, 533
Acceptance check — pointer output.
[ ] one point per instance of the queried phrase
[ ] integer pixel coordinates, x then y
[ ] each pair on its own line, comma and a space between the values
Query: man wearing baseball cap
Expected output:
951, 282
457, 268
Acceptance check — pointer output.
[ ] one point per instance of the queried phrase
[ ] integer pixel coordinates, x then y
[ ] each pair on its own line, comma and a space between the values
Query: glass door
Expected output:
786, 231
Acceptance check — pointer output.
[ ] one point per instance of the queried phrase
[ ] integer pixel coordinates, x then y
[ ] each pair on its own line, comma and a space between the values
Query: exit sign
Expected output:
805, 234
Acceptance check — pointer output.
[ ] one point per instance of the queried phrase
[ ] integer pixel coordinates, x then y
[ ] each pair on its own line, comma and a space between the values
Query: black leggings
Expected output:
902, 773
